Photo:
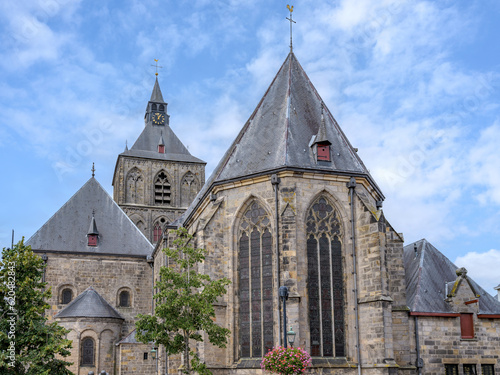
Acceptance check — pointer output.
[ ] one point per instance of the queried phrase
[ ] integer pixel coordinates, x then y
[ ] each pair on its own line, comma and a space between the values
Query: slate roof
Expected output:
67, 229
290, 117
89, 304
146, 146
427, 272
280, 130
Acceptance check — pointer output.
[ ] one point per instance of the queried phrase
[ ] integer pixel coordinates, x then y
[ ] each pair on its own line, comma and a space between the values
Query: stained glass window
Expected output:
88, 352
325, 281
255, 282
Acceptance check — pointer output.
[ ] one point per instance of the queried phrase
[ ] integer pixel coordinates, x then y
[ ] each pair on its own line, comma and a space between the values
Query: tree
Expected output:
29, 344
184, 305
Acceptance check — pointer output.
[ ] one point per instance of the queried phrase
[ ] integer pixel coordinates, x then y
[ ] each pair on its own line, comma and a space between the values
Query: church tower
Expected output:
155, 181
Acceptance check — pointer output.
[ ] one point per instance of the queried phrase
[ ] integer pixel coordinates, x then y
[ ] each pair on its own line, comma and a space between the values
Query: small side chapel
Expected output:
290, 204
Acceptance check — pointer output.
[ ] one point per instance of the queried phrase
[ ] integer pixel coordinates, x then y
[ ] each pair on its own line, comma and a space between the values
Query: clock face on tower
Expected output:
158, 118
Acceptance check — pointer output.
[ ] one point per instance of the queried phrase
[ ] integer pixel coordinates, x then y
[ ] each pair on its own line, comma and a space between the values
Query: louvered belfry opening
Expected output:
255, 246
325, 281
162, 189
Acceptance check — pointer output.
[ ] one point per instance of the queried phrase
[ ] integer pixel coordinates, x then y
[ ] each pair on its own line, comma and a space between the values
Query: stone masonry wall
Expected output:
215, 225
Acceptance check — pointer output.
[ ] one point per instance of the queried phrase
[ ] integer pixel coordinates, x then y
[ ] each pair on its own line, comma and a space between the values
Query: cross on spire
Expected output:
93, 170
290, 8
156, 66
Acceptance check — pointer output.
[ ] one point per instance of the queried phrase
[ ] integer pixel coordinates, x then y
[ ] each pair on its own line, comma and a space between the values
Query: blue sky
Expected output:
414, 84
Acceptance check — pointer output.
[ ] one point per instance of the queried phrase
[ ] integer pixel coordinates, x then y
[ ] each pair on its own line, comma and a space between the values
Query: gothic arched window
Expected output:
189, 188
135, 186
255, 282
66, 296
162, 189
88, 352
157, 232
325, 282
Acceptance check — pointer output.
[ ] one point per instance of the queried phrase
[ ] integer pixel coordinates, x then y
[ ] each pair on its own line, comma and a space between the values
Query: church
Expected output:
290, 204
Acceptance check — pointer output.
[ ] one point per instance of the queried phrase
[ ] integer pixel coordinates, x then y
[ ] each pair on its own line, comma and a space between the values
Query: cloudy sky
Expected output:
414, 84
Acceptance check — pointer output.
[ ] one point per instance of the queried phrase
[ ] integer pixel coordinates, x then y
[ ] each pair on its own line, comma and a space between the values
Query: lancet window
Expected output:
325, 281
255, 282
162, 189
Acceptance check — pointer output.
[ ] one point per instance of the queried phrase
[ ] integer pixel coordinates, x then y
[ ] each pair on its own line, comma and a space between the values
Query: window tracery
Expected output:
325, 280
134, 186
88, 352
162, 189
255, 282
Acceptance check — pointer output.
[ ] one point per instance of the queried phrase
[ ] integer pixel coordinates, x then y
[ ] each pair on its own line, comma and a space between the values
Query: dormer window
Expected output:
92, 240
161, 149
93, 233
323, 152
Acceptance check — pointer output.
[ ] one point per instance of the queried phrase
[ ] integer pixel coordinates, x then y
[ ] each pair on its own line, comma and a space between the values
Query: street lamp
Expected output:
291, 337
283, 293
154, 355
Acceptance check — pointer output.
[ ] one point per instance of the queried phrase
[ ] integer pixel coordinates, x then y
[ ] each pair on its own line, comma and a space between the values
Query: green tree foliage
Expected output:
29, 344
184, 305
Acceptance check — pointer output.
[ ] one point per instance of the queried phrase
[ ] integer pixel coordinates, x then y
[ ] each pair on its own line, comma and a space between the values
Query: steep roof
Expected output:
89, 304
156, 95
289, 119
146, 146
67, 229
427, 272
282, 128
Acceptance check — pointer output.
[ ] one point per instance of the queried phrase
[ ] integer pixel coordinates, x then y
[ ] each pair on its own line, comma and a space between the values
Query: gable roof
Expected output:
89, 304
67, 229
427, 272
289, 119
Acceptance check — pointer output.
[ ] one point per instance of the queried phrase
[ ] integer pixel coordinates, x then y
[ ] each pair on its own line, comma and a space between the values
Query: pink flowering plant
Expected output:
286, 361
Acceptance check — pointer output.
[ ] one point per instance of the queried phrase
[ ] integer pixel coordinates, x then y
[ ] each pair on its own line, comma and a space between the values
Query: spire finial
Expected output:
290, 8
93, 170
156, 66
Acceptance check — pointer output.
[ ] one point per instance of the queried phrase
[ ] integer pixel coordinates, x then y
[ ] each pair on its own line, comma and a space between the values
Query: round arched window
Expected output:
66, 296
124, 299
88, 352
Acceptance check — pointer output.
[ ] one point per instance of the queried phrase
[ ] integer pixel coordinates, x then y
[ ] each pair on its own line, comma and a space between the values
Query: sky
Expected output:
414, 84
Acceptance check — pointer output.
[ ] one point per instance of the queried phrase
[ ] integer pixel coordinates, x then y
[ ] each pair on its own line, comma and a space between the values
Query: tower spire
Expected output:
290, 8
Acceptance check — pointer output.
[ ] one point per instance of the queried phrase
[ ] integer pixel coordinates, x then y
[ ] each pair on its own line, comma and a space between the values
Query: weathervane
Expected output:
290, 8
156, 66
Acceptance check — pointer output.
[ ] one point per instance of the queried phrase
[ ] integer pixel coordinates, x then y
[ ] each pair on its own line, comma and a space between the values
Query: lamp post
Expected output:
154, 355
283, 293
291, 337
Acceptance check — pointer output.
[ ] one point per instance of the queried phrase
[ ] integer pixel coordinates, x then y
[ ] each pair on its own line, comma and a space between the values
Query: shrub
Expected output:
282, 360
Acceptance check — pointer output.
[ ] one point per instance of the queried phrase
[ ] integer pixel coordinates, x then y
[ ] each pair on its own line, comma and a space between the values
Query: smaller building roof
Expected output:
428, 272
89, 304
67, 229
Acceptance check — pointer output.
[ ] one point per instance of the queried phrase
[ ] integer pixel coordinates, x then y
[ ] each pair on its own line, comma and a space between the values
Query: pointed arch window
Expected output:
162, 189
255, 282
135, 188
88, 352
189, 189
157, 231
325, 281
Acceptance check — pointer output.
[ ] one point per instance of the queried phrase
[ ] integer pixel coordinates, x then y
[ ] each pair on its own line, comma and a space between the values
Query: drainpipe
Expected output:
352, 185
275, 181
420, 363
151, 263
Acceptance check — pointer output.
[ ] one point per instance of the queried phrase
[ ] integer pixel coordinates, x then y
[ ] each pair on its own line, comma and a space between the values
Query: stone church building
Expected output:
289, 204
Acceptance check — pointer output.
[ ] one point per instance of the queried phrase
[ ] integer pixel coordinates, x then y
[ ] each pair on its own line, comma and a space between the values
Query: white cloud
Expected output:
482, 268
